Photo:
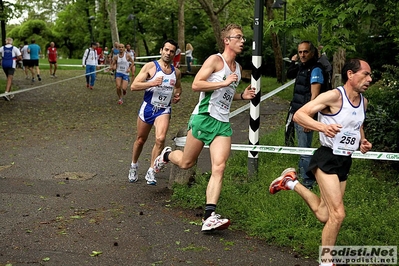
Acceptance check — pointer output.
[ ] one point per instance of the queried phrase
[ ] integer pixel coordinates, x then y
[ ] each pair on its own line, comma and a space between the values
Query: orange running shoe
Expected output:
279, 183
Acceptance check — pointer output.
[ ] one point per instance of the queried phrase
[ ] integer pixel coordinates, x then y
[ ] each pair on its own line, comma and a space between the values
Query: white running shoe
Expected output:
150, 177
159, 163
214, 222
133, 175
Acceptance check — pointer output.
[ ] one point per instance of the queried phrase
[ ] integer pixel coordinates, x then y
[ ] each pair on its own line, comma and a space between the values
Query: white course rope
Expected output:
181, 141
49, 84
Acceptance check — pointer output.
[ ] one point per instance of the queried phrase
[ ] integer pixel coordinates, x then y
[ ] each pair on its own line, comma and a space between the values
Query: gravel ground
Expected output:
65, 199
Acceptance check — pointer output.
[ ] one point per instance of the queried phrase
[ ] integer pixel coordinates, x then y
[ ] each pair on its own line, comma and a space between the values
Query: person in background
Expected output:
122, 65
10, 54
133, 56
52, 56
100, 54
26, 61
34, 51
189, 56
308, 83
341, 113
90, 62
162, 84
114, 53
176, 60
217, 82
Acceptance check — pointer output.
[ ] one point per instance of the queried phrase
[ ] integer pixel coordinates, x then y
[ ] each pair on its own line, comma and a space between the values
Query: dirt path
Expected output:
65, 153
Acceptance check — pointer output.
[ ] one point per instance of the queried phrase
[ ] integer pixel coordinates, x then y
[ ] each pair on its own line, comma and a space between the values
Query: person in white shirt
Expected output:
26, 61
122, 65
341, 113
10, 54
90, 62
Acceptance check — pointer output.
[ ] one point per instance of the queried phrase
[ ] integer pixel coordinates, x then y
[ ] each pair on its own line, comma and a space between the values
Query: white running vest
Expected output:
351, 118
217, 103
122, 64
161, 96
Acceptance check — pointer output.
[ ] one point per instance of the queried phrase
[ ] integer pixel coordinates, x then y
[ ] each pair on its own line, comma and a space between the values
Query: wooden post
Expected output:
177, 175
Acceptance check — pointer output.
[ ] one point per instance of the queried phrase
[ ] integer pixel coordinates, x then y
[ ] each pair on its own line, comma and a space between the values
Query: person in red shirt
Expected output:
52, 59
100, 54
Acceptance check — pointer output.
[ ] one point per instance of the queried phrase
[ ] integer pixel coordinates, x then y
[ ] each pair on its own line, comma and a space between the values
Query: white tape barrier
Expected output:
264, 97
181, 142
45, 85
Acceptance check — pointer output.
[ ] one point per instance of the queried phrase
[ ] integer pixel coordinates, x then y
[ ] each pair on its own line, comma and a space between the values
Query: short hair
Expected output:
93, 43
9, 40
353, 65
312, 48
33, 40
226, 30
172, 42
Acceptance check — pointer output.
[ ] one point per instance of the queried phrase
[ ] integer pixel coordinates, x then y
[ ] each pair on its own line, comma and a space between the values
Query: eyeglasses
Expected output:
238, 37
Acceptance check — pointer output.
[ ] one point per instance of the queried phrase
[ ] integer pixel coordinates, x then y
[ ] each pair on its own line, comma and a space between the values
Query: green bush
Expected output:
382, 122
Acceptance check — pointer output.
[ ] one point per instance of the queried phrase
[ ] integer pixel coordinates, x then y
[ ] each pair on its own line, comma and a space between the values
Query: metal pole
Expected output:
284, 76
254, 119
134, 34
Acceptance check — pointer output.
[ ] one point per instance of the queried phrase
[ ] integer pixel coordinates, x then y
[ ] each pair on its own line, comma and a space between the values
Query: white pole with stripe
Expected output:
254, 117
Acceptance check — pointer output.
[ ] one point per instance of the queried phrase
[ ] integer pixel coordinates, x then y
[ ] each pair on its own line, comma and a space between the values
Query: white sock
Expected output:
134, 164
291, 184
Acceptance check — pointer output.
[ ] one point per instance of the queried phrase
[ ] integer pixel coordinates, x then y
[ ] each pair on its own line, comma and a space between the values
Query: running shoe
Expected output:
33, 79
39, 78
91, 87
159, 163
87, 85
214, 222
54, 76
133, 174
279, 183
120, 101
150, 177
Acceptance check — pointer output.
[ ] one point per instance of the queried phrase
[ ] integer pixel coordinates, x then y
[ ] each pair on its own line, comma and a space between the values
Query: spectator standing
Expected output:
90, 62
52, 56
308, 81
100, 54
189, 56
35, 51
10, 54
176, 60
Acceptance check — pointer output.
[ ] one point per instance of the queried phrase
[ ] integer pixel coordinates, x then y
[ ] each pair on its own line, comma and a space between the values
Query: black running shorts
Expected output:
329, 163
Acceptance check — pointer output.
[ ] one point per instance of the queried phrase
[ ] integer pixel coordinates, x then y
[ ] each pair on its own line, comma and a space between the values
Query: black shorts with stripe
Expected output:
329, 163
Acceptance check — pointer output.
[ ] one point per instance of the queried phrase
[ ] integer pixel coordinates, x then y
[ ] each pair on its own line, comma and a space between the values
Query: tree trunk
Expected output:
112, 11
207, 5
339, 58
180, 28
2, 23
278, 56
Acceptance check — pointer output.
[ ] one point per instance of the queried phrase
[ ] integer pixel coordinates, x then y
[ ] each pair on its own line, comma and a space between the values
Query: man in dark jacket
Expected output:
308, 84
